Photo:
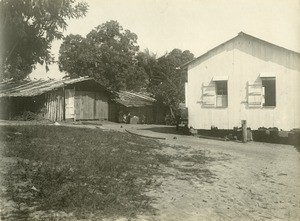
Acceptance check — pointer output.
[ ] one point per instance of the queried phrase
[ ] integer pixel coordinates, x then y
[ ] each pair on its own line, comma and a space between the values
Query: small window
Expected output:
269, 92
221, 94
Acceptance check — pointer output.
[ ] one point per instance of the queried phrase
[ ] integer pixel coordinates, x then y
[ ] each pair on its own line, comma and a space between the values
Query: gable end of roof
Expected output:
240, 34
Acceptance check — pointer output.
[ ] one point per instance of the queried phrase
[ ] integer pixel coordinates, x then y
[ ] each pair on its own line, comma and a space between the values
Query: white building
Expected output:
244, 78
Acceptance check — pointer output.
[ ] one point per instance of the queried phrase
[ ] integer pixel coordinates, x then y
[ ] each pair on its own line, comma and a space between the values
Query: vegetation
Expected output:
111, 55
108, 54
28, 28
83, 173
168, 80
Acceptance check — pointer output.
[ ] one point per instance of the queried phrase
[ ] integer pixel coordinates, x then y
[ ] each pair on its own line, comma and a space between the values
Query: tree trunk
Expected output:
1, 66
172, 113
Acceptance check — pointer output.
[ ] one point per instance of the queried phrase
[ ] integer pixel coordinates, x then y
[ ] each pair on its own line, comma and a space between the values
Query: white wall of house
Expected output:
244, 60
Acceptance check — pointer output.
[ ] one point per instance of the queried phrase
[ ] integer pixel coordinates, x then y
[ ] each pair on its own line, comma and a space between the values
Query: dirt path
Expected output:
253, 181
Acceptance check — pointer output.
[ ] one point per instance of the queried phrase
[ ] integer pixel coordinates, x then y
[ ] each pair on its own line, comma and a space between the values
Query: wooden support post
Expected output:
244, 131
10, 109
64, 104
75, 104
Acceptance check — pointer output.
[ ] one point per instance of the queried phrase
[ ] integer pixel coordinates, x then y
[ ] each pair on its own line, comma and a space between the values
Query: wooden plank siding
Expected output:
242, 60
70, 103
55, 100
54, 106
101, 106
91, 105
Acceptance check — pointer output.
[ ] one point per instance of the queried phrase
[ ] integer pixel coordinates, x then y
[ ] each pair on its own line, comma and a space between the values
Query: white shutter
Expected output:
69, 103
209, 95
255, 94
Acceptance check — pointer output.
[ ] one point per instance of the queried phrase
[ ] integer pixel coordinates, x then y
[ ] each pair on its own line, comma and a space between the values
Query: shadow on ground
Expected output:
64, 173
297, 147
166, 130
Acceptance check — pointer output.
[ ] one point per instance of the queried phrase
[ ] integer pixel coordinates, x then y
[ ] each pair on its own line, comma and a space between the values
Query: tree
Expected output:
167, 83
108, 54
27, 29
147, 61
76, 56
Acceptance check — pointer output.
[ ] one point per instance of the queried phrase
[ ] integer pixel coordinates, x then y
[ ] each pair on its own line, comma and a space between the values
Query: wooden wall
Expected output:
82, 101
91, 105
242, 60
147, 111
4, 108
114, 109
87, 105
101, 106
54, 105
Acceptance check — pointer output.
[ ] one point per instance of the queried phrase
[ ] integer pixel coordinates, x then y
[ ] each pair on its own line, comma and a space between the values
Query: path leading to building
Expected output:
252, 181
234, 181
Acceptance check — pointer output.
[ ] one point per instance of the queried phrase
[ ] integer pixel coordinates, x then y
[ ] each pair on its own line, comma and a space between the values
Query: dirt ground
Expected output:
252, 181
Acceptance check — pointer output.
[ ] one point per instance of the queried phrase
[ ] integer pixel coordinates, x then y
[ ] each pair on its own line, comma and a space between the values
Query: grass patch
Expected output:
85, 172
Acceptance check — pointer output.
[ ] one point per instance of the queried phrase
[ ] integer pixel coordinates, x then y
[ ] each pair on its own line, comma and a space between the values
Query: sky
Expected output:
194, 25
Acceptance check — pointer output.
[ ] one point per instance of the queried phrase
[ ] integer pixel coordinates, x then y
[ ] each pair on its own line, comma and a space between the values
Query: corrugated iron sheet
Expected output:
29, 88
130, 99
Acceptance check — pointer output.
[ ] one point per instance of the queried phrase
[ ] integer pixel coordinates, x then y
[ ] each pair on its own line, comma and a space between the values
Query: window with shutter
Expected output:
255, 94
222, 93
269, 88
208, 95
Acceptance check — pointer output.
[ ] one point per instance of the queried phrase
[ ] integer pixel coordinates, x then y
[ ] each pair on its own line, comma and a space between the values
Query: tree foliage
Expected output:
27, 29
109, 54
148, 61
167, 80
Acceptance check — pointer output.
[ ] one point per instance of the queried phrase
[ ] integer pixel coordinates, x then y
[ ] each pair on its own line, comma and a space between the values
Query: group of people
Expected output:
125, 118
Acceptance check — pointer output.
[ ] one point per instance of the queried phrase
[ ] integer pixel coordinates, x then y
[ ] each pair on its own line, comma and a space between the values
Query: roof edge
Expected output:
238, 35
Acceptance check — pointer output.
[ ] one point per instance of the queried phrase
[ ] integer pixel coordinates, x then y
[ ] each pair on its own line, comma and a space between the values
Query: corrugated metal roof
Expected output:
29, 88
130, 99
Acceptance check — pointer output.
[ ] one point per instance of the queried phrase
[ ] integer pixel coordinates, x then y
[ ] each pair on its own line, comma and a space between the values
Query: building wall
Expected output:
54, 105
83, 101
79, 105
243, 60
90, 105
49, 106
90, 101
4, 108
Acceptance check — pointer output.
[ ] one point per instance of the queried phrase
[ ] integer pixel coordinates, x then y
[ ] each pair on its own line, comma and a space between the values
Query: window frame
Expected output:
269, 96
221, 90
